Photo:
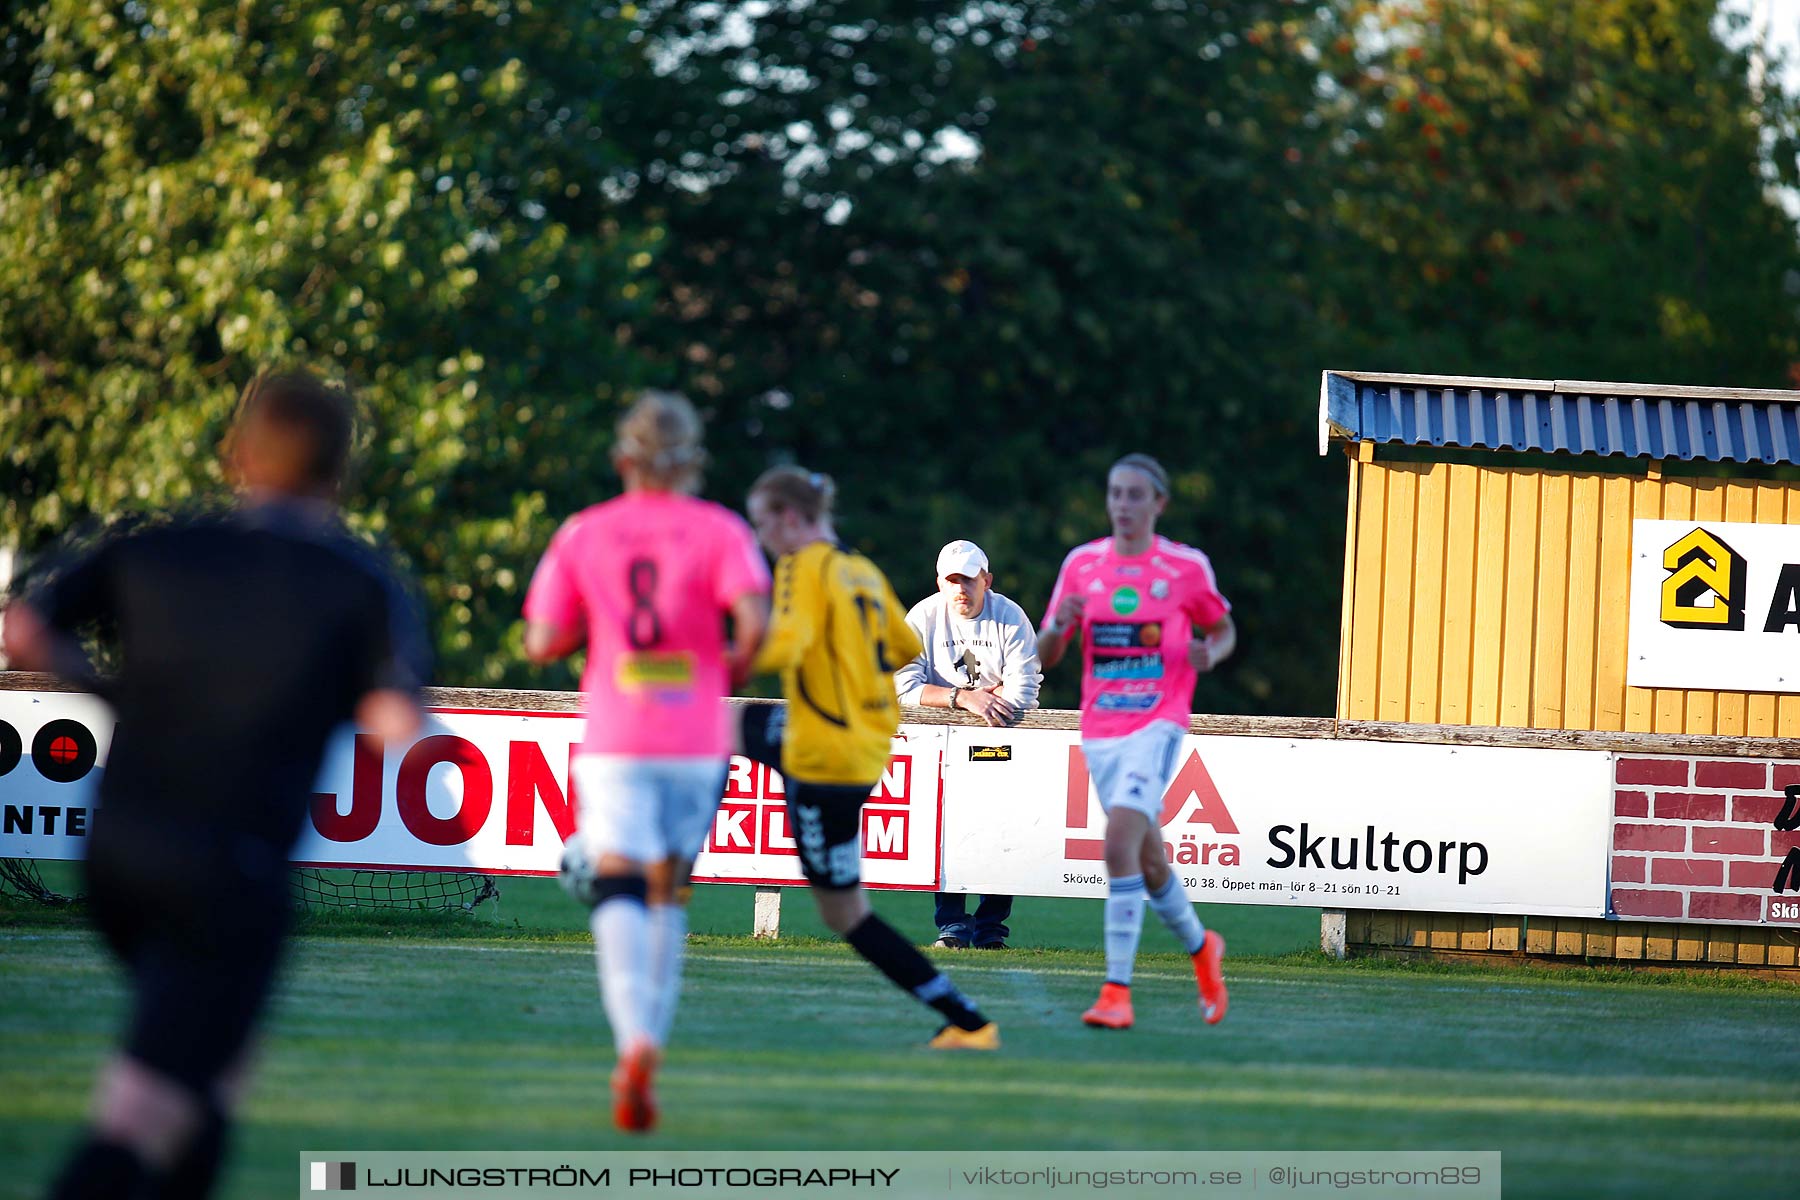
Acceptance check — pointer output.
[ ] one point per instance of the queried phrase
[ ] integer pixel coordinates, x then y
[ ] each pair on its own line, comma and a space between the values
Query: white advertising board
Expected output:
1326, 823
51, 745
1316, 823
1715, 605
480, 790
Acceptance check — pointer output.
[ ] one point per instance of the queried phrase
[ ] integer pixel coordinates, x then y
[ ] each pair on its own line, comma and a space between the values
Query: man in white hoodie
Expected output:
981, 657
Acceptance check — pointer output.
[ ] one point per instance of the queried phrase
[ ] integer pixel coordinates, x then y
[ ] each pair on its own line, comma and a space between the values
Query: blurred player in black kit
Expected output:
244, 638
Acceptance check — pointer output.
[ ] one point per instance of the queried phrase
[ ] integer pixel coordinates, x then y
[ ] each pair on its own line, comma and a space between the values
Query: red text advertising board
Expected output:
1321, 823
479, 790
753, 842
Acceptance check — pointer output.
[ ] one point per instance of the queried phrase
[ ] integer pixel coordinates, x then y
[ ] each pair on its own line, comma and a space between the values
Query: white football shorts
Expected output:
647, 809
1134, 771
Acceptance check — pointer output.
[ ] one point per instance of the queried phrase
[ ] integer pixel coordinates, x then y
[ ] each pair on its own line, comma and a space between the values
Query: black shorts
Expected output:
826, 817
198, 921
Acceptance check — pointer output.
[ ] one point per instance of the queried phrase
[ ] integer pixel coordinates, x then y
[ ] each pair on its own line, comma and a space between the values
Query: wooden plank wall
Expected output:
1499, 597
1773, 951
1480, 596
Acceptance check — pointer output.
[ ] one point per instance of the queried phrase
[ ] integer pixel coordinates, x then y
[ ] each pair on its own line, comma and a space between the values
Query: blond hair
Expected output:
806, 492
659, 436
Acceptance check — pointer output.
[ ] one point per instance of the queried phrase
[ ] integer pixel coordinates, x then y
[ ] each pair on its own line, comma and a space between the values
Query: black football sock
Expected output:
102, 1170
911, 971
194, 1172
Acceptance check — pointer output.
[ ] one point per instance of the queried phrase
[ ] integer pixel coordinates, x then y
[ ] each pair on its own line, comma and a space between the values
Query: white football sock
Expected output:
668, 946
622, 948
1176, 909
1124, 922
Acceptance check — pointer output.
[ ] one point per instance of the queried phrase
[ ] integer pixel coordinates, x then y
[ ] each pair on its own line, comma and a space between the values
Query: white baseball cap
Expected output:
961, 558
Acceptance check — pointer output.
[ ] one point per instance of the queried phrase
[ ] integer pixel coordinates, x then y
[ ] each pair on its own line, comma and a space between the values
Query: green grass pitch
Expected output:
485, 1033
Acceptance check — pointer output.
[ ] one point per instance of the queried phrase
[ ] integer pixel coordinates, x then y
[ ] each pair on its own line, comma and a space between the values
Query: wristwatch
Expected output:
954, 693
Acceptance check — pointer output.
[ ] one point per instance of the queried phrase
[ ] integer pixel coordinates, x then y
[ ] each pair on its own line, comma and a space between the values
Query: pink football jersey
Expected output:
1139, 616
651, 575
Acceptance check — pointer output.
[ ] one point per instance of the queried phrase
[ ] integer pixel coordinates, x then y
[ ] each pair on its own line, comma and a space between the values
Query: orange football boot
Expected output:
1209, 972
634, 1104
1113, 1009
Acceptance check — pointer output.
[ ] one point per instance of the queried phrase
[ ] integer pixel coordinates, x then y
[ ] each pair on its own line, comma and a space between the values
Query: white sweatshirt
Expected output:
998, 645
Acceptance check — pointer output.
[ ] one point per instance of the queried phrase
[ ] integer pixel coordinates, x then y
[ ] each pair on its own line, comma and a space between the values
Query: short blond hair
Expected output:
660, 437
806, 492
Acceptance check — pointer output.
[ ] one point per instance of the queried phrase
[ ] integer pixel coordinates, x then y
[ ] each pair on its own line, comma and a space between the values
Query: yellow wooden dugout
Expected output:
1488, 563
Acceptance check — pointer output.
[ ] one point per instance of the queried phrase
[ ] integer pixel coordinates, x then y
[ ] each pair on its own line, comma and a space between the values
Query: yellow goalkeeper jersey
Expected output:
837, 635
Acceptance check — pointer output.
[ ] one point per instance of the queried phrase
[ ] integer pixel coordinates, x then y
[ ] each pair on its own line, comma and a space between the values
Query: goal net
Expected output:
414, 891
312, 889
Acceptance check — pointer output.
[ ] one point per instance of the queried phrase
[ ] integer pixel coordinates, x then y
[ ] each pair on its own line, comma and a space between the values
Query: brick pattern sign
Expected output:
1698, 839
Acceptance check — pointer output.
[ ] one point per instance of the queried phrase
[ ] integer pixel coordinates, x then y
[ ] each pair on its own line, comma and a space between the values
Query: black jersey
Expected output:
244, 638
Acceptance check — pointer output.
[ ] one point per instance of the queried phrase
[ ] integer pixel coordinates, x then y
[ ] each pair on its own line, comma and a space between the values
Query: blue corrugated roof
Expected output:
1634, 420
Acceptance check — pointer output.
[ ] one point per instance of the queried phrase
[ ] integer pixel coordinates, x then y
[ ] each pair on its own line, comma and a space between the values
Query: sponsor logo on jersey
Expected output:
1125, 635
646, 669
1131, 702
1125, 600
1132, 666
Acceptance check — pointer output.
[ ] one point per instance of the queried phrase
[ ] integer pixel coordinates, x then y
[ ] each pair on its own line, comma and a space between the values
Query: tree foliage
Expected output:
404, 195
967, 340
1576, 191
959, 255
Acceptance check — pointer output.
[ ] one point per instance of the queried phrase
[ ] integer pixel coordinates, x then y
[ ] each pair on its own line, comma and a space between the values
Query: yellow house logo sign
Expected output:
1705, 585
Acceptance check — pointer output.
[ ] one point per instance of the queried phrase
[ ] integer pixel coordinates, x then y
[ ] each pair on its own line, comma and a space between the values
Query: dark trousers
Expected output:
987, 925
198, 920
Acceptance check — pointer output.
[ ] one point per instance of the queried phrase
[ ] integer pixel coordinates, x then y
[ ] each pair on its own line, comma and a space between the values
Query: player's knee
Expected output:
593, 879
611, 862
1122, 855
659, 883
